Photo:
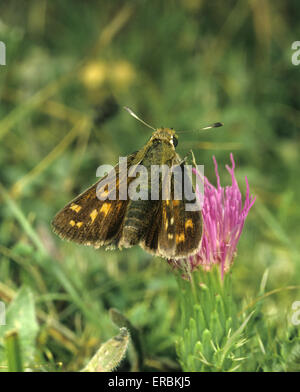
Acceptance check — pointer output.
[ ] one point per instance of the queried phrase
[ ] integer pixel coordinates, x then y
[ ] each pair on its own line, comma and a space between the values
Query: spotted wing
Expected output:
174, 231
90, 221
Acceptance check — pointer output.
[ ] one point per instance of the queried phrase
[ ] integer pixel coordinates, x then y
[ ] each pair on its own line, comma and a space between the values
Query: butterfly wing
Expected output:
174, 232
150, 239
90, 221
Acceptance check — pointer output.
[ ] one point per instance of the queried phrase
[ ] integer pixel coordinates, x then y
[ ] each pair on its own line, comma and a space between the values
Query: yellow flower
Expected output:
94, 74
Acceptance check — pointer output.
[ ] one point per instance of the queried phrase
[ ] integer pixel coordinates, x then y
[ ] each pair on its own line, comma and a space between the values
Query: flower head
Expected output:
223, 220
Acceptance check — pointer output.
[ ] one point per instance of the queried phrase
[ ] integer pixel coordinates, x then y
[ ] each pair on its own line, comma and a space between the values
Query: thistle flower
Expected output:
223, 220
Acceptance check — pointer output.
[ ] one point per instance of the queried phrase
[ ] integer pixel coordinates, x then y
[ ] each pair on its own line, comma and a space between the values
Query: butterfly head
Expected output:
167, 135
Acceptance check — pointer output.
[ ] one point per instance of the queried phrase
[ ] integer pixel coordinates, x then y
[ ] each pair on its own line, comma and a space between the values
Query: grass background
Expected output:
70, 67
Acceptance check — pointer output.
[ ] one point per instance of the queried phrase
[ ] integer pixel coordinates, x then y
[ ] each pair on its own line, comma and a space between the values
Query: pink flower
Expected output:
223, 220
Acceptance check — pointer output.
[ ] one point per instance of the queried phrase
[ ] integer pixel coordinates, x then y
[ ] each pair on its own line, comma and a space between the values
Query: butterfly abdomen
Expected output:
136, 220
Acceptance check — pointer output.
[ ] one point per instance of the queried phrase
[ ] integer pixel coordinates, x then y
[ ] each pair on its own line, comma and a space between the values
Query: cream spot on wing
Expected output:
172, 221
93, 215
105, 208
75, 207
72, 223
170, 236
188, 224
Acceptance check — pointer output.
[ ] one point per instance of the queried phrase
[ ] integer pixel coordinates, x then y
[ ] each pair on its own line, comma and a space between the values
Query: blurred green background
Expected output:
70, 67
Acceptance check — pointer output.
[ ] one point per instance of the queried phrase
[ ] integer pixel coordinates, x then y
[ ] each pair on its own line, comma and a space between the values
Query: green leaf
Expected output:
206, 341
110, 354
234, 338
122, 322
20, 317
199, 316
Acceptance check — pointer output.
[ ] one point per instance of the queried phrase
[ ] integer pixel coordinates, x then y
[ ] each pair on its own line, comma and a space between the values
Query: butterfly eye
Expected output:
175, 141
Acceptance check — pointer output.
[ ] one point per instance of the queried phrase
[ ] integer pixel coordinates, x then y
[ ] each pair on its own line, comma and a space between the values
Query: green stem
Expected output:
13, 352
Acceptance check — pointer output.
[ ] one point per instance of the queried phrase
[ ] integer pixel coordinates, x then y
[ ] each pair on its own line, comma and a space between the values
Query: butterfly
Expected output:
164, 227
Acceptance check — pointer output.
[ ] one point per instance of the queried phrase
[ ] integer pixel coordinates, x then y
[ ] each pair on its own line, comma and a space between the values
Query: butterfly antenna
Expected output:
136, 117
214, 125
